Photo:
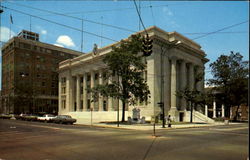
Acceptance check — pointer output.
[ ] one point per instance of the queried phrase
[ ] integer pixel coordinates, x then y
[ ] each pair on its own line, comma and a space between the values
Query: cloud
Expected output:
41, 30
58, 45
167, 11
65, 41
44, 32
5, 34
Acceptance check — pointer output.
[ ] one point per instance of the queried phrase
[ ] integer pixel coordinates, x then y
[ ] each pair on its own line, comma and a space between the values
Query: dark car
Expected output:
64, 119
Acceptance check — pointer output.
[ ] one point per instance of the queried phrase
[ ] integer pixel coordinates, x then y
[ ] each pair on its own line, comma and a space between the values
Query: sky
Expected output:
224, 25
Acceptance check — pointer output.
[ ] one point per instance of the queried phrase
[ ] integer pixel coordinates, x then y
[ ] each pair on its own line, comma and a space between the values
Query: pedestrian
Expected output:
169, 121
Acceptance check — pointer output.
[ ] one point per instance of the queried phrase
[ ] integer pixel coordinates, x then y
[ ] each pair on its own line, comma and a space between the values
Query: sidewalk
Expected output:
157, 127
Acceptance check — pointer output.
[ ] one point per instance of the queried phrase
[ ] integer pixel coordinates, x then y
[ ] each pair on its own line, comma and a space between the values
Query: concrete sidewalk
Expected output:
157, 127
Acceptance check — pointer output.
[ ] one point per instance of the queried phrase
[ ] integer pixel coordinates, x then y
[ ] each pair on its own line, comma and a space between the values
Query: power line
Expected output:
140, 16
61, 14
108, 10
60, 24
221, 29
216, 33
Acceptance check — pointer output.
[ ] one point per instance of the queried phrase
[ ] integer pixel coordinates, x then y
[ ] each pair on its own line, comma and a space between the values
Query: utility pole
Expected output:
1, 11
162, 90
118, 105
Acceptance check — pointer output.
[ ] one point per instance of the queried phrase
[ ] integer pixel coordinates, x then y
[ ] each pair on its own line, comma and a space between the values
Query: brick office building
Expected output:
29, 74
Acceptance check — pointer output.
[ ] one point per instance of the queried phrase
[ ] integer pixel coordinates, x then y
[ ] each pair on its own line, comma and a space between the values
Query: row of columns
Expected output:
73, 95
185, 80
214, 110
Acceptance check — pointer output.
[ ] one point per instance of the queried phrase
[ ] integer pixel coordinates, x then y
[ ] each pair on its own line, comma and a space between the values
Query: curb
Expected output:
141, 129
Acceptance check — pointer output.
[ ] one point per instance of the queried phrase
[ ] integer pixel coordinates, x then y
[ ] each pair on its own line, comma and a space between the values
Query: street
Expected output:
21, 140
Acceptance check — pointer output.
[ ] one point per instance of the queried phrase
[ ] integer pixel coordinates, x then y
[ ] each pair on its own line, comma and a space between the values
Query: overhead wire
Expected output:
137, 10
217, 31
61, 14
108, 10
60, 24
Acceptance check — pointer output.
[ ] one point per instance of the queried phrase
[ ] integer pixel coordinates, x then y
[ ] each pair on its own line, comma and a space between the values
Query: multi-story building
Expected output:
30, 74
173, 66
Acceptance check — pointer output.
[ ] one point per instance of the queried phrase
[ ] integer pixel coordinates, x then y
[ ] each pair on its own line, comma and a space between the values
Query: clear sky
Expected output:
190, 18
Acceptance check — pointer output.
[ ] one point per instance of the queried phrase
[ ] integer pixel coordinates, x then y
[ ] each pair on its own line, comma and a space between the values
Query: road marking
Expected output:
228, 129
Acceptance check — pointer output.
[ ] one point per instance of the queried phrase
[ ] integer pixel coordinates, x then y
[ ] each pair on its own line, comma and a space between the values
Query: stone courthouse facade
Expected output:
173, 66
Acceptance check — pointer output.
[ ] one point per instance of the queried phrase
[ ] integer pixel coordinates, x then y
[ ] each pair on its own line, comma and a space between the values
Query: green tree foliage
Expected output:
230, 77
125, 70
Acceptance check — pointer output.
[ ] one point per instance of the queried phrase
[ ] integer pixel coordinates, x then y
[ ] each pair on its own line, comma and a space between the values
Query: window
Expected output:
63, 90
81, 90
88, 87
53, 85
104, 105
63, 104
88, 78
43, 84
96, 76
63, 79
38, 66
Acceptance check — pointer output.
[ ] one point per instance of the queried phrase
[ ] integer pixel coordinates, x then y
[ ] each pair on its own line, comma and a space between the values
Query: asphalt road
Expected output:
21, 140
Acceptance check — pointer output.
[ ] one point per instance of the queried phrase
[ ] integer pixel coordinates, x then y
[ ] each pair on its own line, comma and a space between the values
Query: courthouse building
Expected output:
30, 74
173, 65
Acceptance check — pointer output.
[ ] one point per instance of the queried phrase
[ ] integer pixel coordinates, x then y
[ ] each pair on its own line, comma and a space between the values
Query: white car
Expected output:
46, 118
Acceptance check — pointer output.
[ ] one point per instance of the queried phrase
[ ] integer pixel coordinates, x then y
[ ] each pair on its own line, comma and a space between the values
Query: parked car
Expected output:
64, 119
20, 116
30, 117
46, 118
5, 116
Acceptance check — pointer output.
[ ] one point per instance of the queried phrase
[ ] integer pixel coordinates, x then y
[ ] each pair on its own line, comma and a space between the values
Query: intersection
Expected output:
32, 140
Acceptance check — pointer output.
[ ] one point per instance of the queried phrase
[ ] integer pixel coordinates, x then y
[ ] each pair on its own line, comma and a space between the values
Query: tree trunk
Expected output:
191, 110
123, 111
236, 112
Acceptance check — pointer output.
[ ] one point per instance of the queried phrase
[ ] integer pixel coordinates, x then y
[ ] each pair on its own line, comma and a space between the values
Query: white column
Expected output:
214, 109
191, 76
84, 92
78, 95
173, 84
92, 83
222, 110
166, 74
59, 95
206, 109
100, 97
110, 100
183, 83
69, 93
231, 112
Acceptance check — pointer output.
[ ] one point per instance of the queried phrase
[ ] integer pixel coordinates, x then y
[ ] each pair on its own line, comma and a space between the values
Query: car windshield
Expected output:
64, 116
48, 115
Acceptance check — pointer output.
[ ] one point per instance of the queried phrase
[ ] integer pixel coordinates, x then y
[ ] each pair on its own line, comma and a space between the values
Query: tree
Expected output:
230, 77
125, 62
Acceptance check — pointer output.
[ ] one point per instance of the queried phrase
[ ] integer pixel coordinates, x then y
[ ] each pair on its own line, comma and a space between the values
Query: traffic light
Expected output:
147, 46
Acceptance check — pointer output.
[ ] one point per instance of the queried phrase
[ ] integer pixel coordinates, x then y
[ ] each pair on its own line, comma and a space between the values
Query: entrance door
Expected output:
181, 116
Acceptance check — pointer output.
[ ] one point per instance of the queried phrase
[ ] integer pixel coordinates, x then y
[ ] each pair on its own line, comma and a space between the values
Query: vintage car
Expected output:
46, 118
64, 119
